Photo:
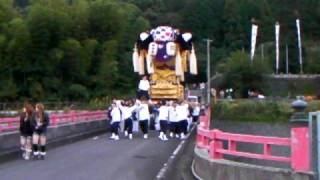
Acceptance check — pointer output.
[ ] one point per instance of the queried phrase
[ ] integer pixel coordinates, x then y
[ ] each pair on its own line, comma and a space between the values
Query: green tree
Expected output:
313, 65
17, 50
48, 27
79, 14
242, 76
135, 24
8, 89
107, 74
74, 63
106, 20
36, 91
77, 91
7, 12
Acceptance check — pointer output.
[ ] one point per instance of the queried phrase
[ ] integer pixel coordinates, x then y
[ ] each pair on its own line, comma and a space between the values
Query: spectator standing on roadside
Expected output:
26, 130
214, 95
221, 93
39, 137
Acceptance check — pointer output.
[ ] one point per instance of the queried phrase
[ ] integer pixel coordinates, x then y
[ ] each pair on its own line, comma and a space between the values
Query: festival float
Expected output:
165, 54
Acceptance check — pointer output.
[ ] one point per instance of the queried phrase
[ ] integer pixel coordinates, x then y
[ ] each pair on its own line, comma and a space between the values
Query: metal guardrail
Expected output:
5, 106
13, 123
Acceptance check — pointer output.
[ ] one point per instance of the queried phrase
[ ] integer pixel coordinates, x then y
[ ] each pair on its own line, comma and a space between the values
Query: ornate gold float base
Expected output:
165, 90
165, 85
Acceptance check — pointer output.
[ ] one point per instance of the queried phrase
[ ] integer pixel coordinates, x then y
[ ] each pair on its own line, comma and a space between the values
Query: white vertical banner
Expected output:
254, 32
135, 59
277, 30
299, 44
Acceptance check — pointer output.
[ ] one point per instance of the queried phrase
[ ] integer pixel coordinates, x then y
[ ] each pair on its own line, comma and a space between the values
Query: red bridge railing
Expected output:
12, 123
212, 140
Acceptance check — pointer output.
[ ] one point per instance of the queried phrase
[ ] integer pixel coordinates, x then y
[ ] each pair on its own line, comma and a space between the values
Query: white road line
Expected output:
173, 155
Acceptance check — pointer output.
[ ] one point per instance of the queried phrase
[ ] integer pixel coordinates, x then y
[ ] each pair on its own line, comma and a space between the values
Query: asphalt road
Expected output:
99, 159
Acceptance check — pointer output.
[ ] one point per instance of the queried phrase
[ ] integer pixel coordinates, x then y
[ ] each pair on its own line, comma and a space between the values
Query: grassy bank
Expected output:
257, 111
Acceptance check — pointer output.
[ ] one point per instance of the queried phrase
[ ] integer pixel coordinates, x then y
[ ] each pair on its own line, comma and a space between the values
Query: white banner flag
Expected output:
254, 32
299, 44
277, 28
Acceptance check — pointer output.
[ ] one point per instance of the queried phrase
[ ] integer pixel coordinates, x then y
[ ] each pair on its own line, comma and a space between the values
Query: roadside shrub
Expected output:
253, 111
78, 91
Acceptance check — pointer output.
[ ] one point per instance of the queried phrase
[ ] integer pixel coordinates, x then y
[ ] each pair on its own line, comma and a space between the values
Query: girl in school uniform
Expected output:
173, 119
26, 130
182, 116
142, 109
127, 109
39, 137
163, 119
115, 120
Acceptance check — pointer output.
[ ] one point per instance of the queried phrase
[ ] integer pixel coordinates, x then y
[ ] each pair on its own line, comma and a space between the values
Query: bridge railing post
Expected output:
205, 141
10, 124
300, 143
215, 145
209, 117
73, 116
300, 148
198, 138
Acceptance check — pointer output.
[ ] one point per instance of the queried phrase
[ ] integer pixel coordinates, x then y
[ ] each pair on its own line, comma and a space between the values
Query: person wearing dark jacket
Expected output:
26, 130
40, 130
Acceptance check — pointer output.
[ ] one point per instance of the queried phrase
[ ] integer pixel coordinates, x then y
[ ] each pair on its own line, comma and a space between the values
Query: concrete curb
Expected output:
194, 172
164, 171
223, 169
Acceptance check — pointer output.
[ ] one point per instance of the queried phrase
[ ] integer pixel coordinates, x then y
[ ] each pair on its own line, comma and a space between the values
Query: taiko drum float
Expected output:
165, 54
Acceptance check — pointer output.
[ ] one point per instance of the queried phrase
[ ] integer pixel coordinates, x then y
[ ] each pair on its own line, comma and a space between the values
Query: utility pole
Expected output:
287, 60
262, 51
208, 70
